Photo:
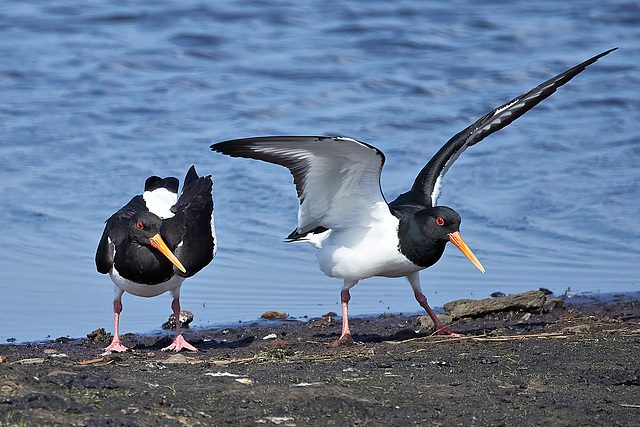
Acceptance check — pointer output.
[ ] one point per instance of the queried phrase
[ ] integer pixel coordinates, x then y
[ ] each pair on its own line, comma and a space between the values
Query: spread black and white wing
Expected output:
337, 179
426, 190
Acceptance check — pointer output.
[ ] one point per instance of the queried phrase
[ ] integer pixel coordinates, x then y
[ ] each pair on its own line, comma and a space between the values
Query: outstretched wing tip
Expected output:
427, 183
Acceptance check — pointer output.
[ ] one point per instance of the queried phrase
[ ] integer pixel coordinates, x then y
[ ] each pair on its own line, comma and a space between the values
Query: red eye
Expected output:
139, 225
439, 221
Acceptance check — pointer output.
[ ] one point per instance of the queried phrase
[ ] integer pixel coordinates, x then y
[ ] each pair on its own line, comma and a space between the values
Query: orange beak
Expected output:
159, 244
456, 239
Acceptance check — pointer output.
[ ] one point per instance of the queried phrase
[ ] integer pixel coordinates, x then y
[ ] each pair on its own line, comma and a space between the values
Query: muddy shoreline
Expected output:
571, 365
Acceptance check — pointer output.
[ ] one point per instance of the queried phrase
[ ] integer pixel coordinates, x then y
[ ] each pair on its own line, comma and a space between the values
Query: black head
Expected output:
143, 226
437, 223
448, 223
425, 231
144, 229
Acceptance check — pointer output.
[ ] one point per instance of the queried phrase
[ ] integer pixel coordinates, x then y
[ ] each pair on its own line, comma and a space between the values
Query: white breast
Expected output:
370, 250
142, 290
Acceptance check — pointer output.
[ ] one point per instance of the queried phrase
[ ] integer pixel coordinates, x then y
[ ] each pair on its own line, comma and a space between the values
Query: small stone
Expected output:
277, 343
176, 359
99, 335
3, 359
50, 351
274, 315
270, 337
186, 317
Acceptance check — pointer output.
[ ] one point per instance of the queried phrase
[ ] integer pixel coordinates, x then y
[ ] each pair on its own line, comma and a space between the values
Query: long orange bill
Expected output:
159, 244
456, 239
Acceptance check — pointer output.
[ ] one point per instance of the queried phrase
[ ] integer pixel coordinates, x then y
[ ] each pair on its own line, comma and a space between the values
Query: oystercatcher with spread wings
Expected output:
345, 216
156, 241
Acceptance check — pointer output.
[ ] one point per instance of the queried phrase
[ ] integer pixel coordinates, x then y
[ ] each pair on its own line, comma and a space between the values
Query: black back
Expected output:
191, 224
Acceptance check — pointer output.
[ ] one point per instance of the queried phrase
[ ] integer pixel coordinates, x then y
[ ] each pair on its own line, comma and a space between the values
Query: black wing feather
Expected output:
191, 224
424, 186
155, 182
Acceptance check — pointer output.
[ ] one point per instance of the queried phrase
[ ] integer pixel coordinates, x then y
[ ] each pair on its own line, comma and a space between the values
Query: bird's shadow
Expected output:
206, 345
409, 333
400, 335
200, 344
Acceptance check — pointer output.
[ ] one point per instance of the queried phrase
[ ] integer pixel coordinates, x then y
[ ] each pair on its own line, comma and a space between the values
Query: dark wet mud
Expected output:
572, 365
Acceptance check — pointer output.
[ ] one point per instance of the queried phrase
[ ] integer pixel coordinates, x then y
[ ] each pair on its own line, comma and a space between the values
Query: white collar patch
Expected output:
159, 202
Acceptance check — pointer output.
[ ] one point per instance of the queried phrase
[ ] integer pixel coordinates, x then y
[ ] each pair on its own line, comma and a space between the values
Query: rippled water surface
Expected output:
97, 98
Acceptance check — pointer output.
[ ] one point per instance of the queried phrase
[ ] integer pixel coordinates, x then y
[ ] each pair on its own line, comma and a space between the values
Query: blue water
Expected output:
96, 98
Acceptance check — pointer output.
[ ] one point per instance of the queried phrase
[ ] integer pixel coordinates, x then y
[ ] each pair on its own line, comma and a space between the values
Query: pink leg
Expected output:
414, 280
440, 328
345, 297
345, 337
117, 309
179, 342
